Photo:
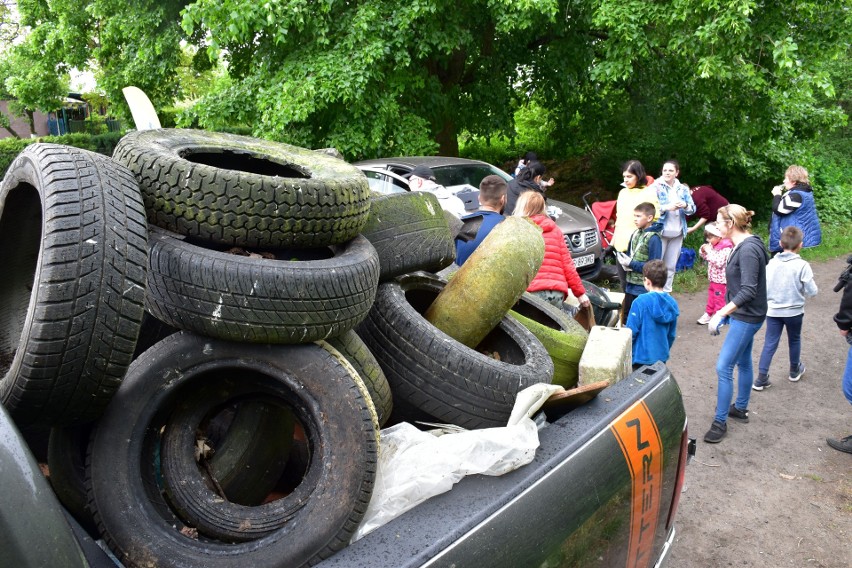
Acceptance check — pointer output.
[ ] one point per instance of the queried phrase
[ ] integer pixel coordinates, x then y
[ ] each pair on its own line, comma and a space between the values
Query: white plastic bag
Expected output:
415, 465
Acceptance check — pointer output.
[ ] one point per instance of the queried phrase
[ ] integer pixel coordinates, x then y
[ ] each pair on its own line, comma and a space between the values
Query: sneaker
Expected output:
842, 445
716, 432
737, 414
797, 374
761, 383
704, 319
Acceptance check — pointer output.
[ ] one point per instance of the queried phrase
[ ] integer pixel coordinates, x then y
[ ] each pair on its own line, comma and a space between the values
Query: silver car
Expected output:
462, 177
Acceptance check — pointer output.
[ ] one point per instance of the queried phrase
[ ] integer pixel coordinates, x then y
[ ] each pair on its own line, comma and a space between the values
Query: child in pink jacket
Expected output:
716, 252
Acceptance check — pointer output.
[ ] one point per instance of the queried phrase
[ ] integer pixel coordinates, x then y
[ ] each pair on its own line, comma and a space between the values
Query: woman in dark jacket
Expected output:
843, 319
745, 310
528, 179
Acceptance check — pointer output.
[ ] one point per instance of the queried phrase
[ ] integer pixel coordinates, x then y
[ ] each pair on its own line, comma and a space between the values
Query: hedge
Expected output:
100, 143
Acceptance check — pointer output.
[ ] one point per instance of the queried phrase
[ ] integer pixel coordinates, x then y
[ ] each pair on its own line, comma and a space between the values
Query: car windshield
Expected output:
470, 174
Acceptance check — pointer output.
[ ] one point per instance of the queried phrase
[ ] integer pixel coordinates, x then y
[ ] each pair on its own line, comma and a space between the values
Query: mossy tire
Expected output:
359, 356
260, 300
126, 485
73, 251
244, 191
562, 336
431, 373
409, 232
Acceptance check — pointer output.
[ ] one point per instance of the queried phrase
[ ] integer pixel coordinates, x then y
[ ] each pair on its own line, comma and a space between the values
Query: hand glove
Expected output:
716, 323
777, 190
584, 300
624, 260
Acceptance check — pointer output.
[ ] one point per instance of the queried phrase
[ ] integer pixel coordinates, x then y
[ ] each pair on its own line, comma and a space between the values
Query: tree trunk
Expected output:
447, 138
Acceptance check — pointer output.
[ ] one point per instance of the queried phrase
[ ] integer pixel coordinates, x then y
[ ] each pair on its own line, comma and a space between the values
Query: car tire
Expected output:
409, 232
249, 455
260, 300
126, 483
66, 462
431, 373
73, 234
151, 331
353, 348
536, 309
242, 191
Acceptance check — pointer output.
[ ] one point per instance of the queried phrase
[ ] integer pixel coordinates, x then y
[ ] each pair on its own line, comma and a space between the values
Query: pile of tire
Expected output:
215, 327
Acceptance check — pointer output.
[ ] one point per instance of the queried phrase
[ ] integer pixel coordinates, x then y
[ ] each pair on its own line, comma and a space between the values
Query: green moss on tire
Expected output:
565, 348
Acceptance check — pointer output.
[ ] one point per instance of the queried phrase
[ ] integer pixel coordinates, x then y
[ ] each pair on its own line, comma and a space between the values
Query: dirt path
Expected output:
772, 493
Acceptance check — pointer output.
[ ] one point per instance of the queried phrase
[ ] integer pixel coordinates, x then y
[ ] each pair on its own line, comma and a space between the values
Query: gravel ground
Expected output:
772, 493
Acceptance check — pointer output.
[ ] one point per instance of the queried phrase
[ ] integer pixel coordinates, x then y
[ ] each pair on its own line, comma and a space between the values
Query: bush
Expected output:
828, 165
9, 150
106, 143
168, 117
101, 143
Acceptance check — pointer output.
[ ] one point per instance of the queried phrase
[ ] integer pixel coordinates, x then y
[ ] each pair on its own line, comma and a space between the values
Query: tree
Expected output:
371, 78
728, 84
9, 26
124, 43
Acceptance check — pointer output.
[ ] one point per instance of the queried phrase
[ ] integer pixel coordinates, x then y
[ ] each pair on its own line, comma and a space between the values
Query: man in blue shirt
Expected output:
477, 225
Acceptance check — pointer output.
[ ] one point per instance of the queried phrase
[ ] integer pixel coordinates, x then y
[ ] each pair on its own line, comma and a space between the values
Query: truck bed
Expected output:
585, 500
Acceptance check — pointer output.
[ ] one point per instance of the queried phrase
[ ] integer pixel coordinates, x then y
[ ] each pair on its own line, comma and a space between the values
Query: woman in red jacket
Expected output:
557, 274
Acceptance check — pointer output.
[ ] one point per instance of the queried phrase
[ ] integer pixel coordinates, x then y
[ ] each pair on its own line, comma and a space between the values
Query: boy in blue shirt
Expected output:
653, 317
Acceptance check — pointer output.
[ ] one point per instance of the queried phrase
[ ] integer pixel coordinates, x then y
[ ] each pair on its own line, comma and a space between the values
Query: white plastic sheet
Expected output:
415, 465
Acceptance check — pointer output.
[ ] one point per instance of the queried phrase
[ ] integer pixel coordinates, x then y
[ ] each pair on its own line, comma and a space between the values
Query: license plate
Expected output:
584, 260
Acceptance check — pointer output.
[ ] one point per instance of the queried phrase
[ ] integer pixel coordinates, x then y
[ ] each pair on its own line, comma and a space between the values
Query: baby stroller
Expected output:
604, 214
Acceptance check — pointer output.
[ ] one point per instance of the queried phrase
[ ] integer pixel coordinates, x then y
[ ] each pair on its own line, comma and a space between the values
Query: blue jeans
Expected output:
774, 327
736, 352
847, 377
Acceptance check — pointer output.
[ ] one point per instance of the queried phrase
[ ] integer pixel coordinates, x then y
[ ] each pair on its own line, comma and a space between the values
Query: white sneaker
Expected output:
794, 377
704, 319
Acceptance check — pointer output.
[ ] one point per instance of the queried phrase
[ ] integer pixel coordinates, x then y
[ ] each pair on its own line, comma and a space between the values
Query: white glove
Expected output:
716, 322
584, 300
778, 189
624, 260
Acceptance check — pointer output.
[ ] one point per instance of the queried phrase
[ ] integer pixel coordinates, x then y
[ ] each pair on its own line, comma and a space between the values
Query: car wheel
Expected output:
409, 232
72, 245
243, 191
174, 386
429, 372
322, 293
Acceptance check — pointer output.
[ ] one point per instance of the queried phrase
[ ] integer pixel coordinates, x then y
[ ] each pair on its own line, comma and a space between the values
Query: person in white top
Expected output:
421, 178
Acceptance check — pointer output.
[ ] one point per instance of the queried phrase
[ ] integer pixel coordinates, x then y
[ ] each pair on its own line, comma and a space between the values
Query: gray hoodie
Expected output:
789, 280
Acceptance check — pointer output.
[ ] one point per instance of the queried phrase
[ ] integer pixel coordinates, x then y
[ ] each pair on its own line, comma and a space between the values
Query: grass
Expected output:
836, 241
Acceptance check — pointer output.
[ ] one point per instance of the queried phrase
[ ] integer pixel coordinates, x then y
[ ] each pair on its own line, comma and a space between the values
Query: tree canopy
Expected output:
731, 83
